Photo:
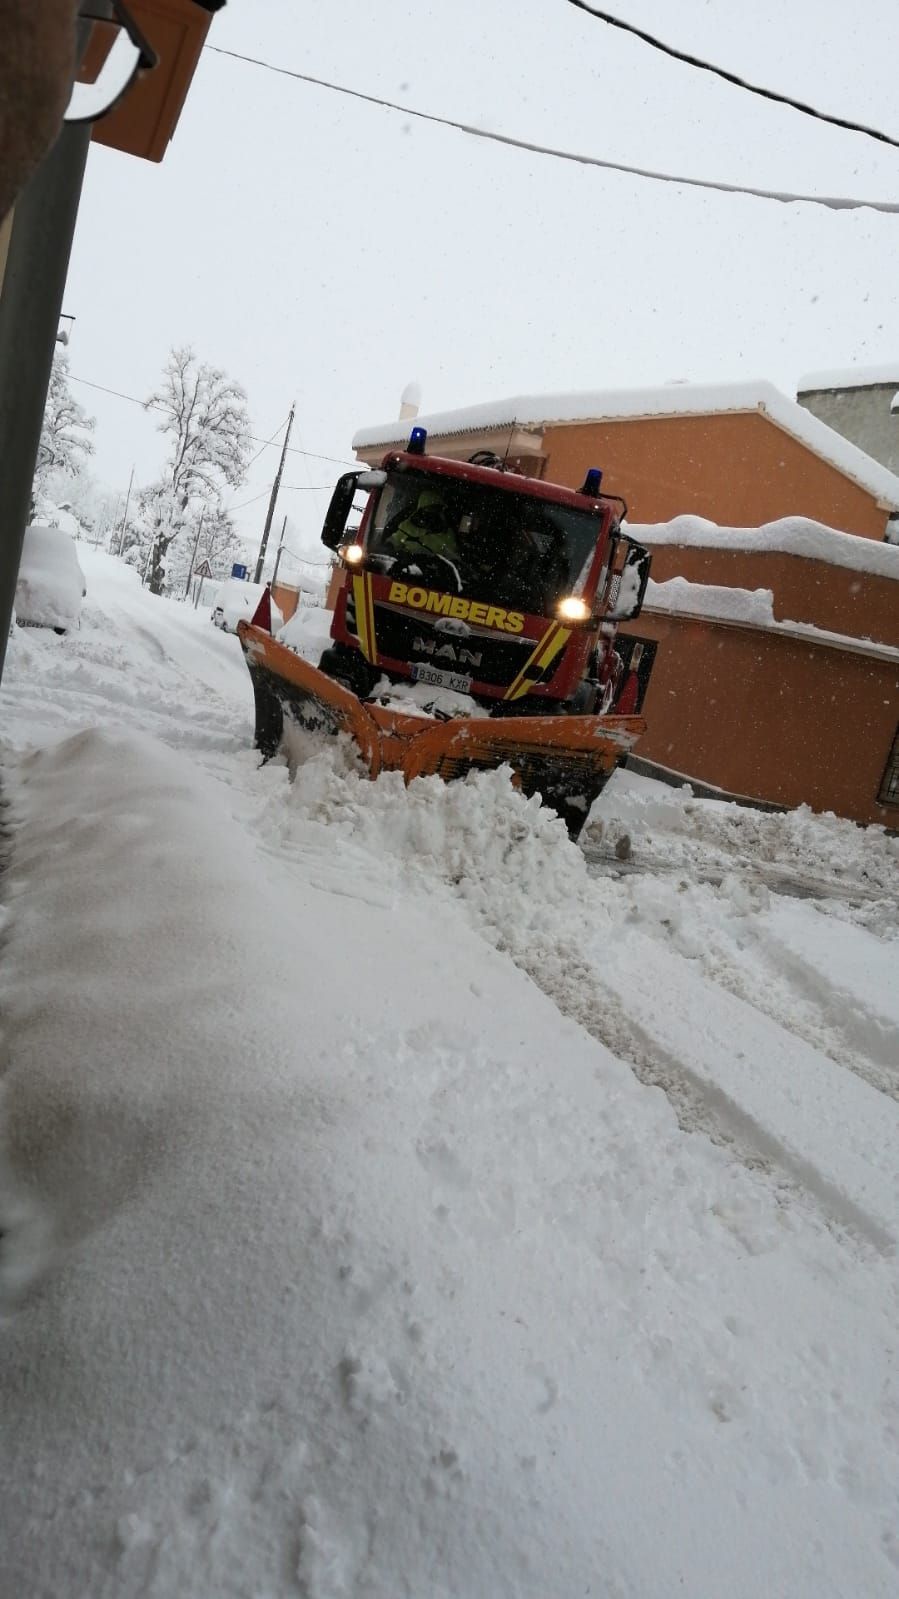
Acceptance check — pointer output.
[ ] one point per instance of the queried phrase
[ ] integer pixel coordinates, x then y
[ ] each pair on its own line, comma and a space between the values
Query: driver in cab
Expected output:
427, 530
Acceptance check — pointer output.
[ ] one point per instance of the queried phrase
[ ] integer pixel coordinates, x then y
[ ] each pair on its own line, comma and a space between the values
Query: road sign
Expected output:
239, 571
203, 570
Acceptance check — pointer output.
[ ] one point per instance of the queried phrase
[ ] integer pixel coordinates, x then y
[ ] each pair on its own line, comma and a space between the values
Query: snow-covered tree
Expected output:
218, 544
94, 506
66, 431
156, 521
203, 413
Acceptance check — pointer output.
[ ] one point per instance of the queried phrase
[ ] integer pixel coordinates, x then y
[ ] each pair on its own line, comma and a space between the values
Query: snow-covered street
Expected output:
398, 1200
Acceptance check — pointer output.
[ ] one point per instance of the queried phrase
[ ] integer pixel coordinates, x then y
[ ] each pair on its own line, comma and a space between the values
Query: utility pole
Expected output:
125, 517
40, 242
280, 553
274, 498
193, 559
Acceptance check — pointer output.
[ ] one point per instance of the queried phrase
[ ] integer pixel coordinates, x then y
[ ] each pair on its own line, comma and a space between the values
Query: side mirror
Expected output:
334, 525
628, 580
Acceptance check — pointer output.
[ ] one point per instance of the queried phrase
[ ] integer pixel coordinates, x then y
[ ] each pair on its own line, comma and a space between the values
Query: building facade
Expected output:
863, 405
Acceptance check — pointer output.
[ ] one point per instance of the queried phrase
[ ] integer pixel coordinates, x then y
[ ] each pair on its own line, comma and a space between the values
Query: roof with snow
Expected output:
678, 399
852, 377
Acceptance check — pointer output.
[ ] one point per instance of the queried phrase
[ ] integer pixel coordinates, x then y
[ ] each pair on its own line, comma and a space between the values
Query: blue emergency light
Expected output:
592, 482
418, 438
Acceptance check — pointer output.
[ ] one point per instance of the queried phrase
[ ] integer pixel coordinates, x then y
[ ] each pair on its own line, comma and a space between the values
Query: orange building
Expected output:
776, 673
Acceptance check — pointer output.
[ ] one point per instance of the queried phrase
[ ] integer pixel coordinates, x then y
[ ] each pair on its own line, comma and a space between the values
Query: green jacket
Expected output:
414, 536
407, 539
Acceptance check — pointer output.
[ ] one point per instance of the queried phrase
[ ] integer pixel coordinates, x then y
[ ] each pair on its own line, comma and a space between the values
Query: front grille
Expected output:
413, 638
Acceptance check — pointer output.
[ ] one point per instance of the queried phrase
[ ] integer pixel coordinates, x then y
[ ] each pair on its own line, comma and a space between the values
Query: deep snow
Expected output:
401, 1201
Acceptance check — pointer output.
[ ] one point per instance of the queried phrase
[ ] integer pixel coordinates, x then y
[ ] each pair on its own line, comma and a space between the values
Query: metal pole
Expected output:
193, 559
279, 554
274, 498
30, 306
125, 516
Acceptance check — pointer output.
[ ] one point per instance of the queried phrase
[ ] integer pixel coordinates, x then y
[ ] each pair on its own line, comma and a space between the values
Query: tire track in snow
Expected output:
820, 1026
782, 986
701, 1106
511, 869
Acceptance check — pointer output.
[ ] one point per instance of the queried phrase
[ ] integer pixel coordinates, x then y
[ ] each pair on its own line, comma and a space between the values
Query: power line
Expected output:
830, 202
731, 77
304, 559
266, 444
335, 460
244, 503
117, 392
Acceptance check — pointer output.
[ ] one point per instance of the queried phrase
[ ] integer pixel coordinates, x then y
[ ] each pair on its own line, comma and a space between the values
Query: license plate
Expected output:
430, 674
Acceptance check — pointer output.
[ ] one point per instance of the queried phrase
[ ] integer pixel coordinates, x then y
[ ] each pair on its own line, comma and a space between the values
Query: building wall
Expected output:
836, 598
287, 597
862, 415
769, 716
737, 469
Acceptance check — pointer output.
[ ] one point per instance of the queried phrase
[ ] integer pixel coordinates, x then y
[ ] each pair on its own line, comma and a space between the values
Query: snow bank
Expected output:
790, 535
374, 1274
670, 827
137, 659
526, 887
308, 631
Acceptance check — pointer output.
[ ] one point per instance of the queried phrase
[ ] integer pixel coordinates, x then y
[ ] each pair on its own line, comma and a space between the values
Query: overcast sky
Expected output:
328, 251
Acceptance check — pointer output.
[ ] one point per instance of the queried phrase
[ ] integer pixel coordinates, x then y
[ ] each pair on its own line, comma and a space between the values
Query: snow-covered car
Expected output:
50, 585
235, 601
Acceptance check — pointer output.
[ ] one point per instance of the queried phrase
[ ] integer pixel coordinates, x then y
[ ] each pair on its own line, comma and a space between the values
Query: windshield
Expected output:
489, 544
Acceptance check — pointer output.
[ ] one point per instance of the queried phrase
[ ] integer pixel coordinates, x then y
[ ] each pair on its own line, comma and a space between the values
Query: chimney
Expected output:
410, 402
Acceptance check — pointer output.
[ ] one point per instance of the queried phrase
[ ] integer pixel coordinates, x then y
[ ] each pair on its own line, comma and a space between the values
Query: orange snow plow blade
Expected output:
566, 759
530, 744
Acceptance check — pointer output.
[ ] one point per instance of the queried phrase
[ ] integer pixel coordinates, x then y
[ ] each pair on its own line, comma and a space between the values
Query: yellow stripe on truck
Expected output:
370, 605
549, 646
365, 616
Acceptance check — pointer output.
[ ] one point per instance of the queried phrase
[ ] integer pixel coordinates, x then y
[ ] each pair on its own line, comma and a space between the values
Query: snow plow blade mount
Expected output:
566, 759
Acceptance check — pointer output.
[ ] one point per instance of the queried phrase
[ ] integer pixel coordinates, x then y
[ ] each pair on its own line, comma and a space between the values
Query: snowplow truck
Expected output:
474, 627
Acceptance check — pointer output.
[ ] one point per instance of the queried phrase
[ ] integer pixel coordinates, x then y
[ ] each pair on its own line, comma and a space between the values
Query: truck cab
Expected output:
474, 578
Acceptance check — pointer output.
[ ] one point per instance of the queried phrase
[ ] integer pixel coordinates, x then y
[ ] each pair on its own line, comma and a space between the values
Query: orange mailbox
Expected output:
144, 121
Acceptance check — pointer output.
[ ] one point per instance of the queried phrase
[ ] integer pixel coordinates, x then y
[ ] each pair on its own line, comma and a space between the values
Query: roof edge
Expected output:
676, 399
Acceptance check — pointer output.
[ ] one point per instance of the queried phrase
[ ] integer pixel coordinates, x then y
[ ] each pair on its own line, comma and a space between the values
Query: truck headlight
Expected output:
573, 609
